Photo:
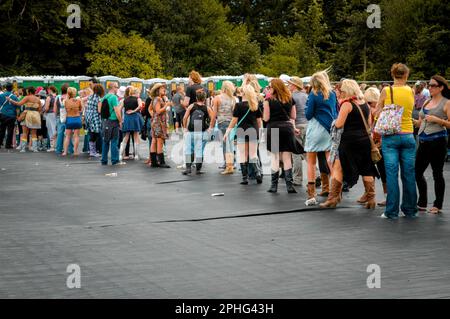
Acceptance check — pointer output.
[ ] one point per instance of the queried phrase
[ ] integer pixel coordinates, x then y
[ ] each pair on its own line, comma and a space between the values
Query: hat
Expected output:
121, 92
42, 93
295, 80
284, 77
154, 88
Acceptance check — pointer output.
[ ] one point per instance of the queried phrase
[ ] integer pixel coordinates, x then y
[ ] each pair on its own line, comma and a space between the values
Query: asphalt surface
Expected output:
153, 233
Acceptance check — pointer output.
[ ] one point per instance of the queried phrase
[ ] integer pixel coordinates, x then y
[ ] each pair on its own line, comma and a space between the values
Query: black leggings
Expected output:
434, 153
323, 165
93, 137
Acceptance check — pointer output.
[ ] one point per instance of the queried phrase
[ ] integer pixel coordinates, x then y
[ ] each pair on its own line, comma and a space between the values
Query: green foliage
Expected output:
289, 55
225, 37
113, 54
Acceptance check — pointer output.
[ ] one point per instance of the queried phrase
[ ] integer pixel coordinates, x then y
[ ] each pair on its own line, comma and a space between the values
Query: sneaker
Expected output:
401, 214
311, 202
384, 216
50, 150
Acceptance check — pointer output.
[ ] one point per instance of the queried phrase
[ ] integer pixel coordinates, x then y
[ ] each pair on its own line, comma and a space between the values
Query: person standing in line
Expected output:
32, 120
433, 124
399, 150
93, 121
280, 115
299, 98
223, 106
58, 109
73, 121
111, 125
8, 114
132, 121
50, 116
247, 118
321, 111
180, 110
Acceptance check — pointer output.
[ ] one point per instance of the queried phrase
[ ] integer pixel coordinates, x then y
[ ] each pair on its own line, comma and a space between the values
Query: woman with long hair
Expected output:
433, 124
92, 118
158, 106
247, 117
354, 152
280, 116
321, 111
223, 105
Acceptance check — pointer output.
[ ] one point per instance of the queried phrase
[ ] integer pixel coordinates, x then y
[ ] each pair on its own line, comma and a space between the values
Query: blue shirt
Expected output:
324, 111
8, 108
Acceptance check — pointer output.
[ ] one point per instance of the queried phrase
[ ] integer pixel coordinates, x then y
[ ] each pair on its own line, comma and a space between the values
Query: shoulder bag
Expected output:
374, 151
390, 119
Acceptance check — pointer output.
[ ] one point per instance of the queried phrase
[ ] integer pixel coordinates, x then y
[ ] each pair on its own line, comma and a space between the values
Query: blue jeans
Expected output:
61, 131
195, 143
114, 143
400, 150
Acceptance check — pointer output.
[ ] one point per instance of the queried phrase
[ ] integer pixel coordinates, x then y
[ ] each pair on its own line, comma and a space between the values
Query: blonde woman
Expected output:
248, 117
321, 111
354, 150
223, 105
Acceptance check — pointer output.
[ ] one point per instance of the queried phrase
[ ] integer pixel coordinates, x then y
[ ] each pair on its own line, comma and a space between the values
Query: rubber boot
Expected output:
188, 169
370, 190
274, 182
92, 151
123, 145
136, 151
311, 191
23, 146
162, 162
34, 146
335, 195
383, 203
153, 159
325, 180
244, 171
198, 168
229, 168
289, 181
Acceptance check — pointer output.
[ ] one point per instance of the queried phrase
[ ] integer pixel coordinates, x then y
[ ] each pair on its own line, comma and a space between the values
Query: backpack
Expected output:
105, 113
198, 113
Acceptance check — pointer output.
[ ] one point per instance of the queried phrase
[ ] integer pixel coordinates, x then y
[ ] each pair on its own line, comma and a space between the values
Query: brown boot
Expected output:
228, 170
383, 203
311, 191
370, 190
335, 195
363, 198
325, 185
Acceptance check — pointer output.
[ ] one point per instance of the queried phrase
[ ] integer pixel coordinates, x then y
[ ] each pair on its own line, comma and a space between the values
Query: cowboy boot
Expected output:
325, 180
244, 170
153, 160
383, 203
229, 168
334, 196
289, 181
311, 191
162, 162
274, 182
370, 190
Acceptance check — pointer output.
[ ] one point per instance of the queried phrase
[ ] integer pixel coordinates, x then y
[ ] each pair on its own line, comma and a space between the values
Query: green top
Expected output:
113, 102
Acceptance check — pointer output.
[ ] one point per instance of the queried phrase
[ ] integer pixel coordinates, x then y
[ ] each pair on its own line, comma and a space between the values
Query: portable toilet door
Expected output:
84, 82
136, 83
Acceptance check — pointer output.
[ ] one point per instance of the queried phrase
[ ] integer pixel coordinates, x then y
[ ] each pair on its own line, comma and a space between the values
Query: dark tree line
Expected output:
225, 37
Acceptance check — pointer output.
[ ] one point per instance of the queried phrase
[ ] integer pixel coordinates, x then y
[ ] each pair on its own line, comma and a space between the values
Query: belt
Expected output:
29, 108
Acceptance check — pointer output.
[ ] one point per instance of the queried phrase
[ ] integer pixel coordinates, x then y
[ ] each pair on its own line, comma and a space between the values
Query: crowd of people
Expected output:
336, 129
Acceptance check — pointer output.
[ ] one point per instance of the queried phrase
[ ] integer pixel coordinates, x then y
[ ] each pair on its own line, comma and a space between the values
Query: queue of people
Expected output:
339, 131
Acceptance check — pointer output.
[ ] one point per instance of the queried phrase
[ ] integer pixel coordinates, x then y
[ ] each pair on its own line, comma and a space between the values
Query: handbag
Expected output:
390, 119
374, 151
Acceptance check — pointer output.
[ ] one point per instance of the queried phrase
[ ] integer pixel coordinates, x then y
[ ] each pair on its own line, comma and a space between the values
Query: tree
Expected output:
290, 55
124, 56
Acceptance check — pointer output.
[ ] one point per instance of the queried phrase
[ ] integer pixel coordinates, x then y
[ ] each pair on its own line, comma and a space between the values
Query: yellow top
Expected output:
403, 96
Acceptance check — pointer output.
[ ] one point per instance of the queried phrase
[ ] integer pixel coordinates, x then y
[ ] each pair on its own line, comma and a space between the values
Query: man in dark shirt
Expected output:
8, 115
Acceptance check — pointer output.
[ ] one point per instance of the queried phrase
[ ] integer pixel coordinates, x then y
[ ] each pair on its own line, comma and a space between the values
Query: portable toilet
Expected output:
107, 79
136, 83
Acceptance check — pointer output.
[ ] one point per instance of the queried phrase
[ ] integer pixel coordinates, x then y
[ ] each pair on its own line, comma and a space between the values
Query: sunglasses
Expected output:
433, 85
